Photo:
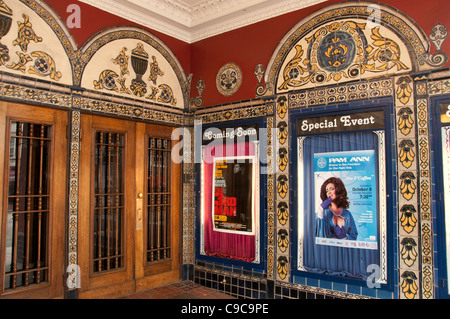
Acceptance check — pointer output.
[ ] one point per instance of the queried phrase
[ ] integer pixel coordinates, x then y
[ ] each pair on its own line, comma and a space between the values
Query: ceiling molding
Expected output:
194, 20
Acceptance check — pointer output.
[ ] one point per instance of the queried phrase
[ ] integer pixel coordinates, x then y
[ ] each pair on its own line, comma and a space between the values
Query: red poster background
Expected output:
220, 244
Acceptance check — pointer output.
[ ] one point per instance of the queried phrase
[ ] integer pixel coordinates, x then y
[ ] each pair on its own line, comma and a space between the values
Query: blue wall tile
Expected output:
326, 284
370, 292
383, 294
299, 280
312, 282
338, 286
354, 289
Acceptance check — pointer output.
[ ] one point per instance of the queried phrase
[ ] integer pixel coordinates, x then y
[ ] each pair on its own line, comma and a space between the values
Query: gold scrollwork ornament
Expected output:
122, 61
21, 64
296, 67
44, 65
107, 81
155, 71
26, 34
166, 95
385, 54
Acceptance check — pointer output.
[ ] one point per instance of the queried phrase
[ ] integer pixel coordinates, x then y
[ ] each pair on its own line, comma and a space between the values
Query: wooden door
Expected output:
33, 170
118, 159
158, 179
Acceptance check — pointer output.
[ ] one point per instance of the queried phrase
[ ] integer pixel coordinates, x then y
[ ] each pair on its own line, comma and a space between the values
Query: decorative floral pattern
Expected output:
44, 65
406, 153
283, 213
408, 219
405, 121
341, 50
407, 185
409, 285
229, 79
283, 239
139, 59
25, 34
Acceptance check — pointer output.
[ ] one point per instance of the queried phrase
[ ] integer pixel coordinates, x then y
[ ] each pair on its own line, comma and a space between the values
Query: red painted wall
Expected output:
247, 46
94, 20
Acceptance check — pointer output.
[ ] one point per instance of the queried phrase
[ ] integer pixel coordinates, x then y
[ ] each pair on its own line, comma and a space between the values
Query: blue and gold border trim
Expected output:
282, 186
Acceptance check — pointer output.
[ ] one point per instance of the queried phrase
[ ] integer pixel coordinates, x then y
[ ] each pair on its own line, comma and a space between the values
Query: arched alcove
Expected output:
35, 42
132, 63
346, 42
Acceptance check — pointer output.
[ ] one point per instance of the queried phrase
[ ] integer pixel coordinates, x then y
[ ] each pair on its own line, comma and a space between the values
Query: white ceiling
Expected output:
195, 20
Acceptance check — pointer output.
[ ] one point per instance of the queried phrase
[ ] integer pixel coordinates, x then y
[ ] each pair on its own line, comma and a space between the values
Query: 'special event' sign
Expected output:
339, 123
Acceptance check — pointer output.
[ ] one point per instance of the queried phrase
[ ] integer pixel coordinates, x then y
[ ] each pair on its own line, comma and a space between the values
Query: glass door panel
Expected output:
158, 199
26, 260
108, 201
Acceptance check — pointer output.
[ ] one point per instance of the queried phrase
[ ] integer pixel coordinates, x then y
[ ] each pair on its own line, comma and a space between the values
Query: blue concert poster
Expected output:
350, 220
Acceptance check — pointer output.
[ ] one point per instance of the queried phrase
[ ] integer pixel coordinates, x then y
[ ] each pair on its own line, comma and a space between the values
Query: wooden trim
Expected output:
140, 189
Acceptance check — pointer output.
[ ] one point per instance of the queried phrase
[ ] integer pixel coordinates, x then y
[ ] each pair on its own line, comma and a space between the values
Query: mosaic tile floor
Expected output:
180, 290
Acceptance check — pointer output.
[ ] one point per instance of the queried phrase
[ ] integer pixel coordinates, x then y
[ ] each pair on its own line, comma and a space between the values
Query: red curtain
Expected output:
221, 244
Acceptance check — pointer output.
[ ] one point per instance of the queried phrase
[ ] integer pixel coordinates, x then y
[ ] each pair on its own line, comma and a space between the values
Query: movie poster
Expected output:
342, 222
233, 195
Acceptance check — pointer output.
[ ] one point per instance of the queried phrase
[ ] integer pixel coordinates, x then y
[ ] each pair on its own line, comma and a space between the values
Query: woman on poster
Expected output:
334, 220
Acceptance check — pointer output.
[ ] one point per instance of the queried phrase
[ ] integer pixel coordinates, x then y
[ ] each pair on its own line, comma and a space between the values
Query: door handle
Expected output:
139, 213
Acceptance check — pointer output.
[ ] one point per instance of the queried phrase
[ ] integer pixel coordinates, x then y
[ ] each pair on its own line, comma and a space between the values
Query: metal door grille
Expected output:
158, 200
26, 255
108, 201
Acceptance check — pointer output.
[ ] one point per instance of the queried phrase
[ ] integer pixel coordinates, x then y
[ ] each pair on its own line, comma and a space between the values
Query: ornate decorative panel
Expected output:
135, 65
29, 44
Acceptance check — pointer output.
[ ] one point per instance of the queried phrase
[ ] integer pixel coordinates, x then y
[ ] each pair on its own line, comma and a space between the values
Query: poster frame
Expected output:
382, 205
387, 237
257, 213
439, 122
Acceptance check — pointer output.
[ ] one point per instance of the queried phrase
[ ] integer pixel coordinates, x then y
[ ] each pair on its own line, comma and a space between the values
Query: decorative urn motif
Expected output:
5, 25
139, 62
